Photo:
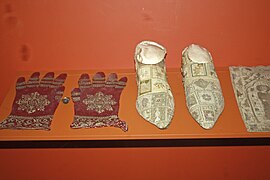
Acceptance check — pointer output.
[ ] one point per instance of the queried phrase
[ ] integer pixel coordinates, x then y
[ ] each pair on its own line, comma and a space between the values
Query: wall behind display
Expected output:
74, 35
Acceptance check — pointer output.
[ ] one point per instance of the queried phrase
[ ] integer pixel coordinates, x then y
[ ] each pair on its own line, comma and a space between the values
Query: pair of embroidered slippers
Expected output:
155, 102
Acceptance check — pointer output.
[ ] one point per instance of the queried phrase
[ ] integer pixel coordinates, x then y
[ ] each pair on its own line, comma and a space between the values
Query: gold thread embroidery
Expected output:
21, 122
97, 122
99, 102
33, 102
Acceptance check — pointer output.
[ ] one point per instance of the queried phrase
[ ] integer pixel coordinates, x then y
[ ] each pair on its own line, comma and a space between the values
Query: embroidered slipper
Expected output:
204, 97
155, 101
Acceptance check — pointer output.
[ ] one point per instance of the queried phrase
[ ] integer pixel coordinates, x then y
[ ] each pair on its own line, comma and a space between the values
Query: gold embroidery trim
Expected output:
99, 102
32, 102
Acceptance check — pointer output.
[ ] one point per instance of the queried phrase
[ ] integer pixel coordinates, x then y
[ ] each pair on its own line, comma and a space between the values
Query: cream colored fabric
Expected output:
155, 101
204, 97
252, 91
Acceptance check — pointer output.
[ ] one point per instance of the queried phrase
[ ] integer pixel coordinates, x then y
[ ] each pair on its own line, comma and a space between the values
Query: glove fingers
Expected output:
59, 93
122, 82
75, 94
112, 77
33, 80
20, 84
47, 80
99, 79
59, 80
84, 81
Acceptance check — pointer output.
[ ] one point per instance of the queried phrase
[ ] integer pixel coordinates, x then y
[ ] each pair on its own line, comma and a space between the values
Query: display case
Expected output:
183, 130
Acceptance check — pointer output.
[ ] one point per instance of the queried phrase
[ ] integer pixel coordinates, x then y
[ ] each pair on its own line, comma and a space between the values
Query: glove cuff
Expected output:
31, 123
98, 122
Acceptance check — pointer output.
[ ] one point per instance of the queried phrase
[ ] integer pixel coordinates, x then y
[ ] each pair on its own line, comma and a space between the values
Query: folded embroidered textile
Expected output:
96, 103
155, 101
35, 102
204, 97
252, 91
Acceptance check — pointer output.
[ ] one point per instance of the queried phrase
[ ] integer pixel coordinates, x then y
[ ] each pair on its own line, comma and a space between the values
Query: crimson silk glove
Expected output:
96, 103
35, 102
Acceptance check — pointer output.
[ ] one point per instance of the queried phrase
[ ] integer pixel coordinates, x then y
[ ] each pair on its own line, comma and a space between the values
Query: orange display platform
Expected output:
229, 125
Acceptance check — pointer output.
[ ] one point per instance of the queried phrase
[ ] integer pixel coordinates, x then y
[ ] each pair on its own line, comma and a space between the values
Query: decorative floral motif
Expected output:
209, 115
206, 97
21, 122
33, 102
160, 85
198, 70
191, 100
195, 114
145, 102
99, 102
201, 83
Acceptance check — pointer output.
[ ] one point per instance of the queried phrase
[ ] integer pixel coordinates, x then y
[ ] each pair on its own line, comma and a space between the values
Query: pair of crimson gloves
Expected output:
96, 102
